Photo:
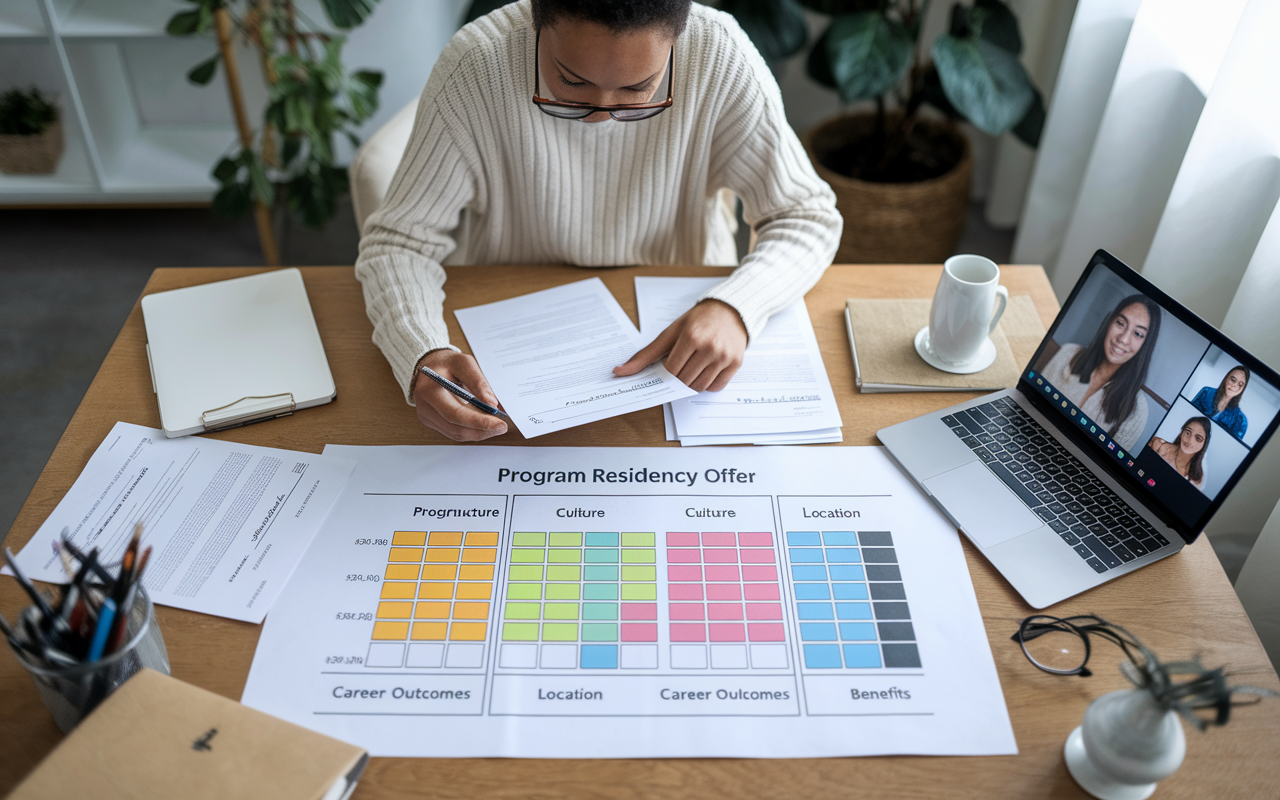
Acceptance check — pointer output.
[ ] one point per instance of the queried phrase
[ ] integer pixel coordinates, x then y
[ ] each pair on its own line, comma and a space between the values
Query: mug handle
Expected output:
1003, 294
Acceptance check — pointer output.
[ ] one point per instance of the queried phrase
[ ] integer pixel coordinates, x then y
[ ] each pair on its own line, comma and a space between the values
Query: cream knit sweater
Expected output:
490, 179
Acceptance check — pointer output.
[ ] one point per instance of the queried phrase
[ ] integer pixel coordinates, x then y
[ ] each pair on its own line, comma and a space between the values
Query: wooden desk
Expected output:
1179, 606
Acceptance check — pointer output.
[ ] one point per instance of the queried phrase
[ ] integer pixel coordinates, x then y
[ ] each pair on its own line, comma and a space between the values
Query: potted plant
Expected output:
901, 175
30, 133
289, 160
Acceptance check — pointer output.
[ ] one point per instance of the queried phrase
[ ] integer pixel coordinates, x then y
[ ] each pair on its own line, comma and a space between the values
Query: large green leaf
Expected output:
232, 200
226, 170
869, 54
203, 72
289, 151
818, 65
479, 8
1032, 125
183, 23
776, 27
999, 25
985, 83
362, 94
263, 190
348, 13
833, 7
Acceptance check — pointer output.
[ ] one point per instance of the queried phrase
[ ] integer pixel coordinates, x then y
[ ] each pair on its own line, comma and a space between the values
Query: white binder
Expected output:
234, 352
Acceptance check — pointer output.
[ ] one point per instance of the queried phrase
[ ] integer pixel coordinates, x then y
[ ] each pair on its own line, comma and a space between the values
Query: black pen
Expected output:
46, 612
463, 393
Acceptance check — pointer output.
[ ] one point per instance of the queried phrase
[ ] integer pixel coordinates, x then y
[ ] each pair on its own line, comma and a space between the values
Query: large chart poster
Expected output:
554, 602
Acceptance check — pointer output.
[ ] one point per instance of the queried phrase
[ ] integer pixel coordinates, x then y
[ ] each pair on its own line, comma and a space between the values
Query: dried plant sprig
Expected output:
1204, 689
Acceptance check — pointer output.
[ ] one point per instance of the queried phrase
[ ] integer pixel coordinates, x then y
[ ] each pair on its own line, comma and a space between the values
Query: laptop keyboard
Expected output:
1103, 530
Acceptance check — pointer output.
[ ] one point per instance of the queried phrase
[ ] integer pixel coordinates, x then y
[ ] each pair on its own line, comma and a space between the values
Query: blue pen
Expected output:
100, 633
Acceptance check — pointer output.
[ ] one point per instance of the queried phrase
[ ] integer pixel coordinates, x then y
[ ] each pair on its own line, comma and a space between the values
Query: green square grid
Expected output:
564, 591
600, 591
564, 573
559, 631
524, 591
601, 572
601, 575
522, 611
525, 572
559, 610
599, 631
639, 591
603, 611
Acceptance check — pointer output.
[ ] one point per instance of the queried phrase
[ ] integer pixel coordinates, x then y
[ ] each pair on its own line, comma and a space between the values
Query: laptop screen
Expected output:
1175, 407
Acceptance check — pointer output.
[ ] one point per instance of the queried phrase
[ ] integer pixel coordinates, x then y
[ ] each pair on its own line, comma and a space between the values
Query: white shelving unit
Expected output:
136, 131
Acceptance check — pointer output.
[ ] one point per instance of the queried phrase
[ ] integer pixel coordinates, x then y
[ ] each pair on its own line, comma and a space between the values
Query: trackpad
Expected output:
987, 509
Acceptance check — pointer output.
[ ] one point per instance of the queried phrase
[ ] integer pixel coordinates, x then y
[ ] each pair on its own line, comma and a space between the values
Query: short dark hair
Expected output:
616, 16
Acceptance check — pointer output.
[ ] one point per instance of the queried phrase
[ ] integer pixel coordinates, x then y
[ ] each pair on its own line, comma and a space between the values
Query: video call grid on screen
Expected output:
1184, 382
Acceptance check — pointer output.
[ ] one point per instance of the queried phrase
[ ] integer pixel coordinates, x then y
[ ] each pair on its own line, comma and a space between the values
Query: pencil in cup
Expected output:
71, 692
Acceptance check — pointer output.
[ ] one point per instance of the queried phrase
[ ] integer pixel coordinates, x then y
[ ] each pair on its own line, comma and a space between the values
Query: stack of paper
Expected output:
549, 357
228, 521
780, 395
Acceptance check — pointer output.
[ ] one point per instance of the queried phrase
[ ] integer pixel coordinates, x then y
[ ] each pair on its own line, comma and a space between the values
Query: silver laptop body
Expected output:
1036, 483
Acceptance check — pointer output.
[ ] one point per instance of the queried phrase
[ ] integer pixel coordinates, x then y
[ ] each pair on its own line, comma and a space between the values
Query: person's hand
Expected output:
441, 410
703, 347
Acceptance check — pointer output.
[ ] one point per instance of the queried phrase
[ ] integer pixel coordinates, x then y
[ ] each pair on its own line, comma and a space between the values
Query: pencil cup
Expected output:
71, 692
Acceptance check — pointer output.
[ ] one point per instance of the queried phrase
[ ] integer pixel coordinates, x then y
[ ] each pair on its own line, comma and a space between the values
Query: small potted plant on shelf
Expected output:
901, 174
30, 133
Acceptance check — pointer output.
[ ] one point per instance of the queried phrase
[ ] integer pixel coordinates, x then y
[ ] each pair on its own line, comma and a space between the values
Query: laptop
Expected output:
1125, 433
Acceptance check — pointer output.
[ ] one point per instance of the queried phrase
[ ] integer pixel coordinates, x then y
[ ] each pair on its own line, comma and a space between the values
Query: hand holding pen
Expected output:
476, 417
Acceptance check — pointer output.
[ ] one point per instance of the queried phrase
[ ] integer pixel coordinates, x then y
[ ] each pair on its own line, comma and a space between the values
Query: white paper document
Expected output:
633, 603
780, 395
549, 357
227, 522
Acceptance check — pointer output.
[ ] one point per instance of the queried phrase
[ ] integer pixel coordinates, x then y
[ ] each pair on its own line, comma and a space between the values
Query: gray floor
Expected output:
68, 279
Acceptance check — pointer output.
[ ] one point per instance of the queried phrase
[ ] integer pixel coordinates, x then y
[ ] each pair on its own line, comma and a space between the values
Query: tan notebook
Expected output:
157, 737
882, 332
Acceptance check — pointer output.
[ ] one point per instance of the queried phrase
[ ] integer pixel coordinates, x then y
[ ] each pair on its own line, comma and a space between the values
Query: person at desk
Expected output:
677, 105
1105, 378
1223, 405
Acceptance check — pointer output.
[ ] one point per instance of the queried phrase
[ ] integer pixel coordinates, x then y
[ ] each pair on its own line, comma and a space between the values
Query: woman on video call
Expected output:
1223, 406
1186, 454
1104, 377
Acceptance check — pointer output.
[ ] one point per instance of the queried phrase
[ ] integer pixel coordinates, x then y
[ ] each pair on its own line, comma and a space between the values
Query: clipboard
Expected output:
234, 352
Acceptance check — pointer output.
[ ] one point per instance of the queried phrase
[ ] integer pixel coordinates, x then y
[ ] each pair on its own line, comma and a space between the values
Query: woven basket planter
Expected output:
36, 154
894, 223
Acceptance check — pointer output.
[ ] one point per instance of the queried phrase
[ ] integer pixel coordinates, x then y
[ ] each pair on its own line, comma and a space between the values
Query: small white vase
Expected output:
1125, 745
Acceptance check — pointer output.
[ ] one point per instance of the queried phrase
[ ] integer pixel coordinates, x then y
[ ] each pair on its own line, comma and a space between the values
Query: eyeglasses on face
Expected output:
623, 112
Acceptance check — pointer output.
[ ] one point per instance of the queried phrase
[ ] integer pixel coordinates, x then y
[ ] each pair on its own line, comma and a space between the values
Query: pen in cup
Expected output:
457, 390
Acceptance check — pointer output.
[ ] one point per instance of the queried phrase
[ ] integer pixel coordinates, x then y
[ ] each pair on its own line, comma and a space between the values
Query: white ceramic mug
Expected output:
961, 318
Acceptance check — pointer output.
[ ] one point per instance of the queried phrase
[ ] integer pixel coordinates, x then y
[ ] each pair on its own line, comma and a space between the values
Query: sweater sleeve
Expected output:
407, 238
793, 211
